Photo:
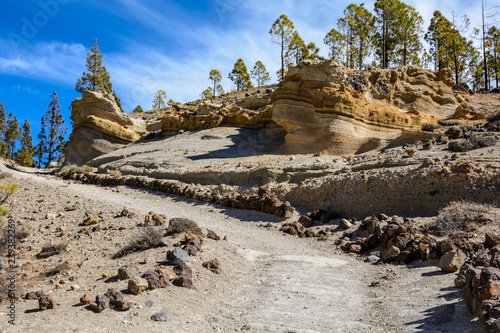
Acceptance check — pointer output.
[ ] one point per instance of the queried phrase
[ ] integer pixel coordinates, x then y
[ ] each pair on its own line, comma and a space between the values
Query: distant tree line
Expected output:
392, 36
16, 142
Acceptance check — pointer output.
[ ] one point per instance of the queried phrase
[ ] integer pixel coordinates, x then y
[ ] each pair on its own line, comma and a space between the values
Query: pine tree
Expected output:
51, 137
297, 49
358, 25
407, 36
216, 78
493, 53
336, 43
3, 129
239, 75
138, 109
282, 32
11, 135
312, 51
260, 74
387, 13
97, 76
171, 102
448, 47
159, 100
25, 155
207, 93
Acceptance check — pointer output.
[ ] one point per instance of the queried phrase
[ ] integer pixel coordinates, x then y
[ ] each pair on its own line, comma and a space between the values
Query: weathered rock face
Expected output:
99, 127
253, 110
324, 106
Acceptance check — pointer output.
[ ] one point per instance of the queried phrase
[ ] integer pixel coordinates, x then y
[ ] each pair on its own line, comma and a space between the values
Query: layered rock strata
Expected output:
324, 106
99, 127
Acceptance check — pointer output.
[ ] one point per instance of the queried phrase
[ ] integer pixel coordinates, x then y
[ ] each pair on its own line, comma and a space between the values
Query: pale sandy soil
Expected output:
270, 282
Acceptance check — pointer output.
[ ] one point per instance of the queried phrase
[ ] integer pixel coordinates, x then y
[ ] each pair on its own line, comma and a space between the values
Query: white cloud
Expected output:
53, 61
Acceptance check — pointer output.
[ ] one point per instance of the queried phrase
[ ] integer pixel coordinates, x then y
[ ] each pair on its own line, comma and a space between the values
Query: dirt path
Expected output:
270, 282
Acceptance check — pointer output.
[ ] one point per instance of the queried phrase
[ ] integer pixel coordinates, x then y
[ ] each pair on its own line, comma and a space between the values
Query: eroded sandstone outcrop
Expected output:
324, 106
99, 127
252, 110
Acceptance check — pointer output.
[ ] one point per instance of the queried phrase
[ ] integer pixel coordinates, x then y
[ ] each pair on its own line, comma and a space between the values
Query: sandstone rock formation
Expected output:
99, 127
251, 109
324, 106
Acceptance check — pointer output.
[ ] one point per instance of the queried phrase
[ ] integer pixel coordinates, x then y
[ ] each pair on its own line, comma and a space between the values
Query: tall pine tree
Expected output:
25, 155
97, 76
282, 33
11, 135
51, 138
239, 75
3, 129
260, 74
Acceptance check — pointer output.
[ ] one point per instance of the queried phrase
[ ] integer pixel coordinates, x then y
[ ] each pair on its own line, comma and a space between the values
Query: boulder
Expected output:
177, 256
213, 265
45, 302
99, 127
452, 261
137, 285
160, 316
324, 106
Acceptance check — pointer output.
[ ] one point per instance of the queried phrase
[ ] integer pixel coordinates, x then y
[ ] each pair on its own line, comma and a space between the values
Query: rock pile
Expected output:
264, 201
480, 279
391, 239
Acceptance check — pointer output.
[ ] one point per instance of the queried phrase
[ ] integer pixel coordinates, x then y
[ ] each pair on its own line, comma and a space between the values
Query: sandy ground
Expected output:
270, 282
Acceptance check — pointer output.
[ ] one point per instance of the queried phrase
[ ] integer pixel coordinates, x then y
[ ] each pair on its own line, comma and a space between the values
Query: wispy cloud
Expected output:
52, 61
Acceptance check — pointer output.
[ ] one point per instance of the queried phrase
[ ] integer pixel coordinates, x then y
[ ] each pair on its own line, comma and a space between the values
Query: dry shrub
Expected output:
449, 123
52, 250
116, 173
74, 169
150, 239
58, 269
494, 117
430, 127
461, 216
178, 225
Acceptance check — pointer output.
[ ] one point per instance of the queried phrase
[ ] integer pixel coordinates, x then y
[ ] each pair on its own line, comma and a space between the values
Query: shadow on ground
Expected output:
451, 317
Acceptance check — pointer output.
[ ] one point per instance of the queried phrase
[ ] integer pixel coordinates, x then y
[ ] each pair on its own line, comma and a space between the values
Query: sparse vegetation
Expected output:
116, 173
52, 250
58, 269
449, 123
460, 216
150, 239
178, 225
72, 169
430, 127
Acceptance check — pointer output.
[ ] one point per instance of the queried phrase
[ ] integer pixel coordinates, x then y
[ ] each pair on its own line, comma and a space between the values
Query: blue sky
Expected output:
154, 44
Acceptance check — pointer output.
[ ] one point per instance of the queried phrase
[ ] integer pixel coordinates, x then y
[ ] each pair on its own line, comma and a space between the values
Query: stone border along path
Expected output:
265, 201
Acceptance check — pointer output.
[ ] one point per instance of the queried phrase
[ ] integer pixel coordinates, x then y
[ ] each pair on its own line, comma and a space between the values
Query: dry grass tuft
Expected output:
61, 268
150, 239
72, 169
461, 216
178, 225
52, 250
